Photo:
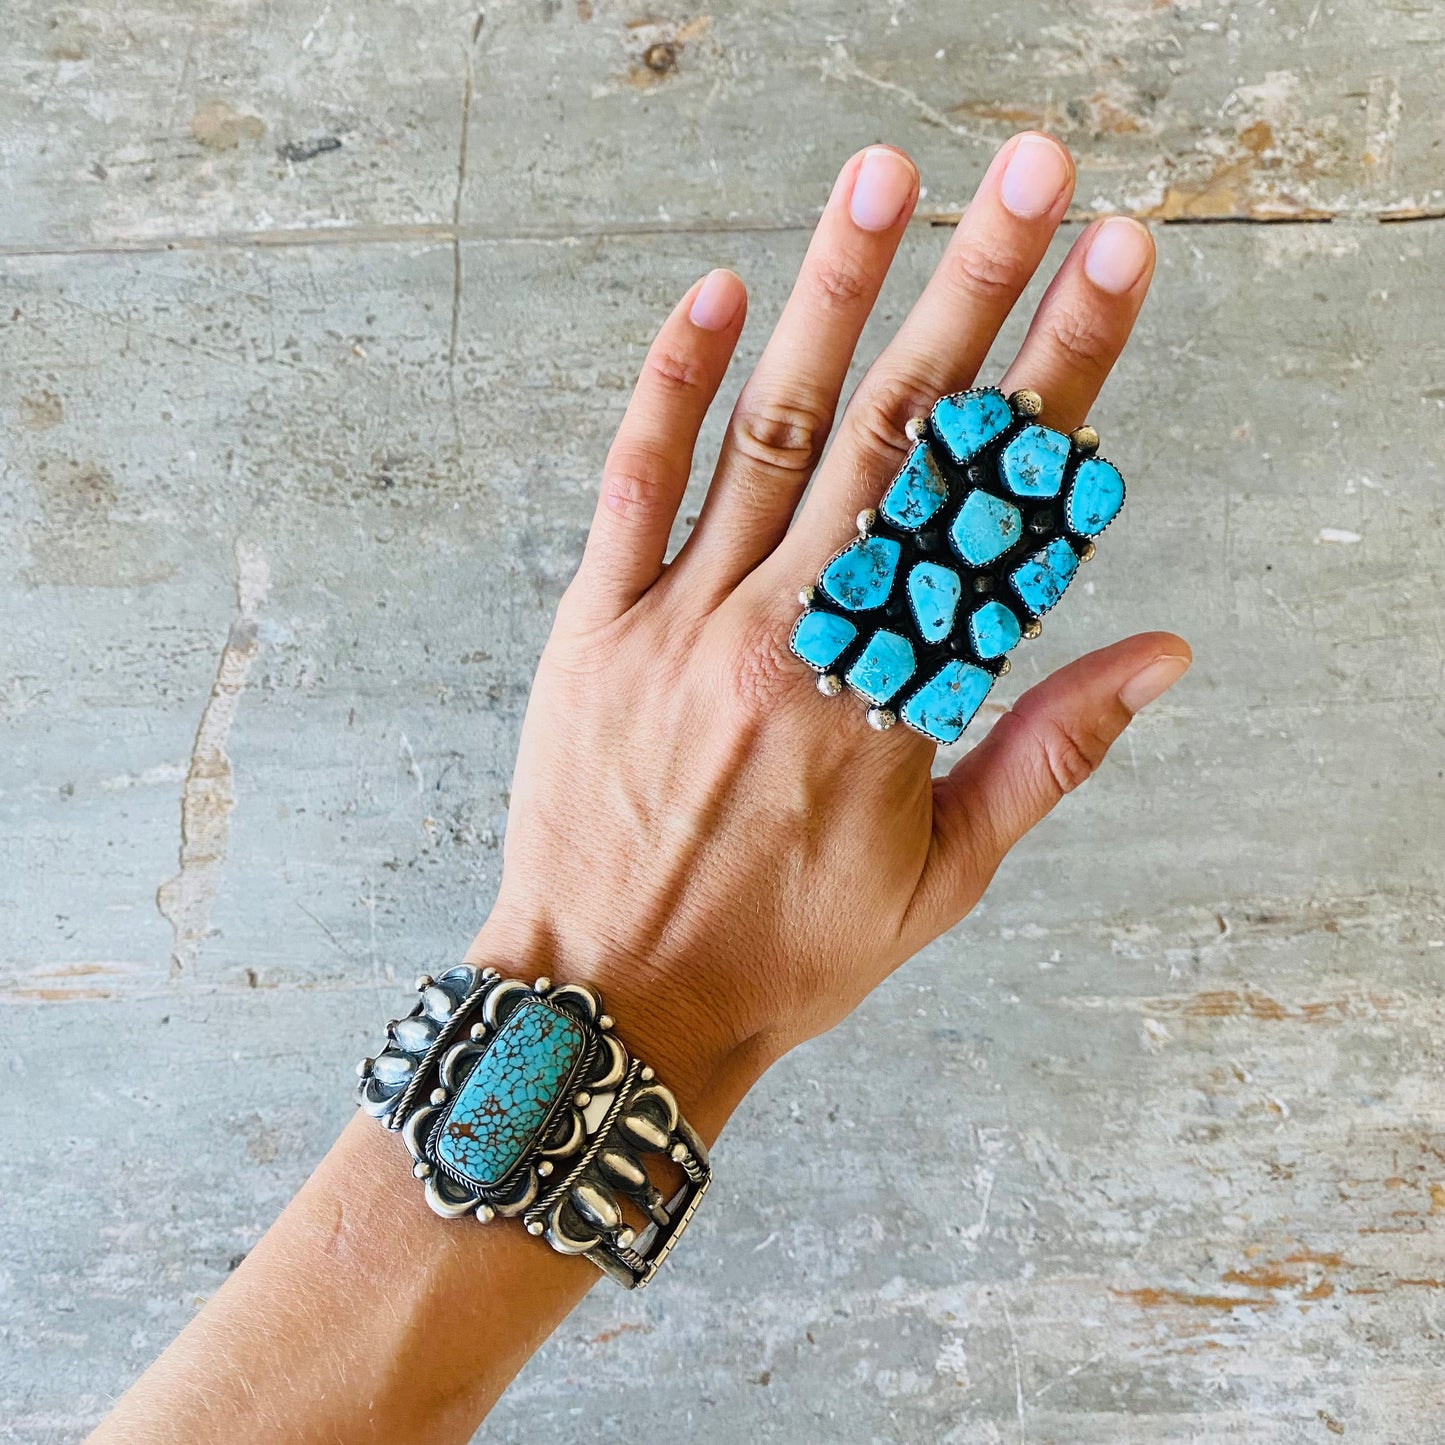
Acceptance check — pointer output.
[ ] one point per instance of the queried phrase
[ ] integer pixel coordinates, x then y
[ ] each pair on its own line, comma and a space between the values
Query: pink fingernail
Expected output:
1152, 681
715, 306
1034, 178
1118, 255
883, 188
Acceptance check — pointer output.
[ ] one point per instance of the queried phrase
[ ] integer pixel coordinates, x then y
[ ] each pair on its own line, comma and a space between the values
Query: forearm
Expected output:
361, 1316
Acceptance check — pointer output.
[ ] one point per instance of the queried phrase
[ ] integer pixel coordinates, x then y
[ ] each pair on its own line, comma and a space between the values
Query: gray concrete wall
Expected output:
315, 323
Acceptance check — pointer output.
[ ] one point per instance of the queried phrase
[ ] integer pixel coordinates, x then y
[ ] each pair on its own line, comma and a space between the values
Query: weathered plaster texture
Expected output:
315, 323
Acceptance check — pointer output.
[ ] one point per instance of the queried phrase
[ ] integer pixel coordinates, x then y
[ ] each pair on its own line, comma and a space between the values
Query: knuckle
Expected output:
838, 282
1068, 752
634, 484
882, 408
982, 270
781, 435
764, 673
674, 370
1074, 333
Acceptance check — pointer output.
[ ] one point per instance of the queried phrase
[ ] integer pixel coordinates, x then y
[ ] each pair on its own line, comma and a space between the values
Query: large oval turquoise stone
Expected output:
508, 1096
993, 629
820, 637
1033, 462
918, 491
985, 528
1095, 496
946, 703
933, 593
861, 576
1044, 578
882, 667
969, 420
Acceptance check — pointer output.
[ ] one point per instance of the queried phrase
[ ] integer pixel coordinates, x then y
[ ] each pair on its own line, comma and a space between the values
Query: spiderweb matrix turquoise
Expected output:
979, 534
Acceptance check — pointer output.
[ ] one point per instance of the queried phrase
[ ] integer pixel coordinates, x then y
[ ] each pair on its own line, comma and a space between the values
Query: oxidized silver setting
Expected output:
587, 1168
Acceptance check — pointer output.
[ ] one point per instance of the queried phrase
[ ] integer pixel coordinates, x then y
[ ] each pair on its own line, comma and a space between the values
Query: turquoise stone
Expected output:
507, 1098
918, 491
933, 593
1042, 580
882, 667
819, 637
1095, 496
1033, 462
993, 629
968, 421
985, 528
861, 576
946, 703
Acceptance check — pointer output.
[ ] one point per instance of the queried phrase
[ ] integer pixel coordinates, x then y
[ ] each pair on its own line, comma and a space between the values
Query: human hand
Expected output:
733, 861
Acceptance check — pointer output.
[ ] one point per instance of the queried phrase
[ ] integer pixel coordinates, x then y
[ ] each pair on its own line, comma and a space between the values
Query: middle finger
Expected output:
992, 256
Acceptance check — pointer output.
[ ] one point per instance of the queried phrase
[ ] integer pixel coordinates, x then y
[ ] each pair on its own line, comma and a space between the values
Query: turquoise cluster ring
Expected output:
518, 1100
976, 538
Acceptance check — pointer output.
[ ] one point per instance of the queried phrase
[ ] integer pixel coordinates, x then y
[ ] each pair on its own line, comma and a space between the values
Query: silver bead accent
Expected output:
424, 982
438, 1096
1084, 439
880, 719
479, 1032
491, 973
648, 1074
542, 985
829, 684
606, 1023
679, 1153
535, 1226
865, 520
421, 1169
624, 1238
806, 595
544, 1168
364, 1068
1086, 553
916, 428
485, 1213
582, 1098
1005, 667
1032, 628
1026, 403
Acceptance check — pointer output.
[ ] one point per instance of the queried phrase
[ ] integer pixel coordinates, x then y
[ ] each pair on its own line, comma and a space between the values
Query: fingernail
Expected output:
717, 303
883, 188
1152, 681
1034, 178
1118, 255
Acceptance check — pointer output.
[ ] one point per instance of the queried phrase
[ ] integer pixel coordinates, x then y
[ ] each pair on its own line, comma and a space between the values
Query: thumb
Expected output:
1046, 745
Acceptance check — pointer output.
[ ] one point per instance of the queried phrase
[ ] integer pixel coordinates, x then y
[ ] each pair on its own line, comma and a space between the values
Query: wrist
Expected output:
706, 1060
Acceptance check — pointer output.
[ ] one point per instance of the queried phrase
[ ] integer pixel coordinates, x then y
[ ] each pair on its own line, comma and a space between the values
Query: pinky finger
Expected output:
648, 464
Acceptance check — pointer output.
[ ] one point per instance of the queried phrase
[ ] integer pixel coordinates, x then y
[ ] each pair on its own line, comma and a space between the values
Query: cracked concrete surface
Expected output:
209, 792
316, 326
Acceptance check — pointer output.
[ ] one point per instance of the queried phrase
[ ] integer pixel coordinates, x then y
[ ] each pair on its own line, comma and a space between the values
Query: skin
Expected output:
690, 830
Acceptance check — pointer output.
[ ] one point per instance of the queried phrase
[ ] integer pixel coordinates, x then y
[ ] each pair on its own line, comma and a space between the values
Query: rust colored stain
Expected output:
1250, 1003
219, 127
1032, 117
1246, 182
1151, 1298
607, 1336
